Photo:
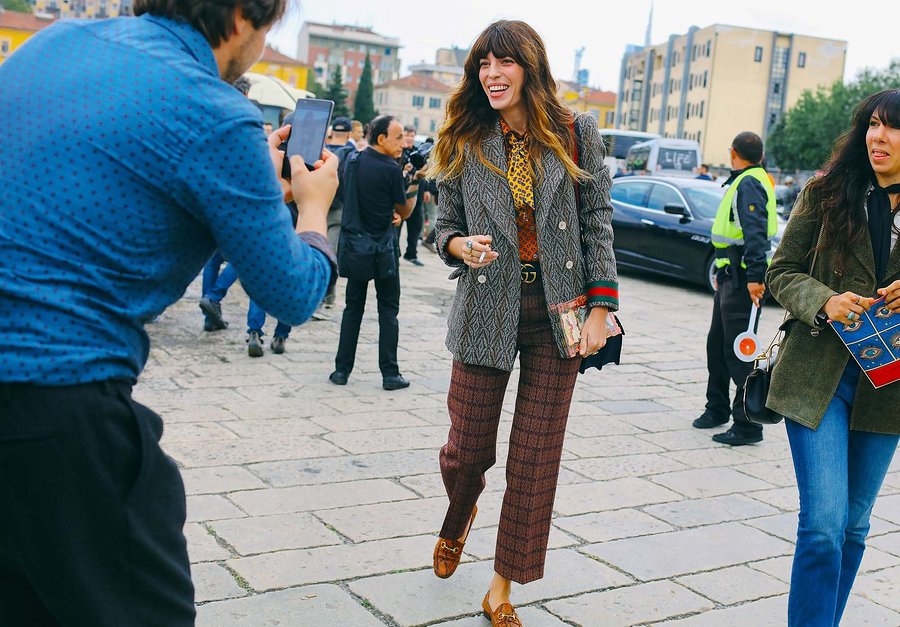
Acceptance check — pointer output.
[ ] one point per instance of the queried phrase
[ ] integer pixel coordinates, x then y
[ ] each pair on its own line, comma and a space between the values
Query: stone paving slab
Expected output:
634, 605
693, 513
312, 606
219, 479
613, 494
708, 482
636, 465
214, 583
202, 545
531, 616
211, 507
690, 551
605, 526
284, 569
737, 584
265, 534
247, 451
309, 498
345, 468
396, 594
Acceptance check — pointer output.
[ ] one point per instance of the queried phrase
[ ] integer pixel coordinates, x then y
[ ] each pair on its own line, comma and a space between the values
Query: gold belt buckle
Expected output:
529, 273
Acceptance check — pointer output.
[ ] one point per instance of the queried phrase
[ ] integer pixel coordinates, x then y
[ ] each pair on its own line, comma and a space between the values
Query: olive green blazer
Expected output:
812, 360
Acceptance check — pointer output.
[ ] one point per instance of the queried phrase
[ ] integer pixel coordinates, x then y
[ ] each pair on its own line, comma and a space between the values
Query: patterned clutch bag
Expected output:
874, 341
568, 319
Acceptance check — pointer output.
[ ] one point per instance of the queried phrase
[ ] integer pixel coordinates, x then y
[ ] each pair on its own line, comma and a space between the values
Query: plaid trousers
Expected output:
475, 401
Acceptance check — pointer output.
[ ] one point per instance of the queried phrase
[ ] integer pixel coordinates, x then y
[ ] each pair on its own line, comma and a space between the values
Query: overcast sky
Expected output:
603, 28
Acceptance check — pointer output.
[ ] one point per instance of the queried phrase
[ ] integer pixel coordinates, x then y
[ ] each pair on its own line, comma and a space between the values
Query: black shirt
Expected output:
380, 188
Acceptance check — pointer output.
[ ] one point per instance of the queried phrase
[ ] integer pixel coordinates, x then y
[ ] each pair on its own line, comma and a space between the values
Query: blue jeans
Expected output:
220, 287
839, 473
256, 318
211, 271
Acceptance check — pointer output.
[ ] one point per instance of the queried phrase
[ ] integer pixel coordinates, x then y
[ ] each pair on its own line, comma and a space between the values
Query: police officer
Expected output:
744, 226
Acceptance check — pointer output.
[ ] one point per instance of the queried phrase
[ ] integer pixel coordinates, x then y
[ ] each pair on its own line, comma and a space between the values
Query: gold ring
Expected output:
855, 300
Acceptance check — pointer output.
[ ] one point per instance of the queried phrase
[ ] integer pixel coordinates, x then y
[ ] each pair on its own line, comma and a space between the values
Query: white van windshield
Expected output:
676, 159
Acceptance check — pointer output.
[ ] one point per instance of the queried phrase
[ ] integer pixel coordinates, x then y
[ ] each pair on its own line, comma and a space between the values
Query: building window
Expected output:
757, 55
416, 123
433, 125
776, 88
801, 59
4, 46
418, 101
387, 52
434, 103
701, 108
708, 46
610, 118
705, 75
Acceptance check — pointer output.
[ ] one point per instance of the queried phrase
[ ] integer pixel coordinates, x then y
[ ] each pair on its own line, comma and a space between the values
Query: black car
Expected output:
663, 225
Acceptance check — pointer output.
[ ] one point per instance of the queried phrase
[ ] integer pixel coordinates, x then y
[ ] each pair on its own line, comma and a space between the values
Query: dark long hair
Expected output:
470, 117
838, 196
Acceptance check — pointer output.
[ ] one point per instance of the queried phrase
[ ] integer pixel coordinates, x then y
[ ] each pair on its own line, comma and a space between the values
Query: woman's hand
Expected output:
891, 295
594, 332
474, 250
840, 306
396, 220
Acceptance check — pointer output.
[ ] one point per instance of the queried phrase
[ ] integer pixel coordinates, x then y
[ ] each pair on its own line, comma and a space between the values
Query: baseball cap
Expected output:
341, 125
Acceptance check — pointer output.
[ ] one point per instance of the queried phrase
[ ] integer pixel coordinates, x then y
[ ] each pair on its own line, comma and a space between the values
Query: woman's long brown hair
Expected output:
470, 117
839, 195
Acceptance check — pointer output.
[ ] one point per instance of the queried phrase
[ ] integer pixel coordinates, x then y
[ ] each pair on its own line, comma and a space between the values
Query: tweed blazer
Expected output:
575, 246
812, 360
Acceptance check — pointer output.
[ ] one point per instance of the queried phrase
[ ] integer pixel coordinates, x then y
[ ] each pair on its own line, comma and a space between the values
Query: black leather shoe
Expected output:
415, 261
213, 311
708, 421
254, 344
733, 438
338, 378
277, 346
394, 383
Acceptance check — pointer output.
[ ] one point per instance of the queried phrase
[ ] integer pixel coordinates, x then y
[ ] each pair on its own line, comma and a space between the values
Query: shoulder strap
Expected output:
350, 221
575, 157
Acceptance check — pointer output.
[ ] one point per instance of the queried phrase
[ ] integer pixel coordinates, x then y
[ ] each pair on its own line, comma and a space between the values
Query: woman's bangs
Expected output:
887, 108
496, 41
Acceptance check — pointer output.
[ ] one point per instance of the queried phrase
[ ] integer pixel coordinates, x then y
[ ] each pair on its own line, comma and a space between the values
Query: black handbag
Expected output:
756, 387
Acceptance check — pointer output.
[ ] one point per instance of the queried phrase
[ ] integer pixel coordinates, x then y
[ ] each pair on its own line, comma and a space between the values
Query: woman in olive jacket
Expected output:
838, 255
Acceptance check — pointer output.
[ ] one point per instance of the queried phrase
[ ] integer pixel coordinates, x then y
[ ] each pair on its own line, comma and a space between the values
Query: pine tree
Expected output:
364, 102
338, 93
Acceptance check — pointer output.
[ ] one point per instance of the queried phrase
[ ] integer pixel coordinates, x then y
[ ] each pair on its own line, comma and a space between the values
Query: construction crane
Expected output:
579, 52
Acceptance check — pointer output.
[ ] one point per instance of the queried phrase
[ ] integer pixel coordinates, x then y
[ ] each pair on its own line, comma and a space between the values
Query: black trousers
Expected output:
414, 224
93, 511
387, 292
731, 315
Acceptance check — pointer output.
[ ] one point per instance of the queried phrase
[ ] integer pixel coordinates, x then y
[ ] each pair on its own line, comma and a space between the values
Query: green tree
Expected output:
364, 102
338, 93
21, 6
803, 138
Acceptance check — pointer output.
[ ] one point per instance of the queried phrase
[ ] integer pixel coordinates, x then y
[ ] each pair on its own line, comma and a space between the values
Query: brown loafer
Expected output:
447, 553
503, 616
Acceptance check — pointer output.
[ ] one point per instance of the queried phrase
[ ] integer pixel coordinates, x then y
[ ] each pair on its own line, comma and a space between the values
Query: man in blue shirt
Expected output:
150, 160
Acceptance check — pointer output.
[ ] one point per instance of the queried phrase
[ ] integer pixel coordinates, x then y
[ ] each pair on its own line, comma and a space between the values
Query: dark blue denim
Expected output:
839, 473
220, 287
256, 318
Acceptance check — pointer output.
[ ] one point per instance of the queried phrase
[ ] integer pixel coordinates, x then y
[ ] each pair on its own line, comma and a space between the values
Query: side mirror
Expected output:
676, 210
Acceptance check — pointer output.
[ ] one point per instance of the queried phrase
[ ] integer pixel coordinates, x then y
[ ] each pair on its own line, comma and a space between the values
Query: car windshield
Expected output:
704, 200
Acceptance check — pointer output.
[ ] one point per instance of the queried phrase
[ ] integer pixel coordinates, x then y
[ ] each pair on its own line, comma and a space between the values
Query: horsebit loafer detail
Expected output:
503, 616
447, 553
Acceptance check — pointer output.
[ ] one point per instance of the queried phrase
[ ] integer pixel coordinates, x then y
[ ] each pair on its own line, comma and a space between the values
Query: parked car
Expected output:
663, 224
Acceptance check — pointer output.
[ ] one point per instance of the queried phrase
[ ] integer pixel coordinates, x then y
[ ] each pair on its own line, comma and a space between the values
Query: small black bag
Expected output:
756, 389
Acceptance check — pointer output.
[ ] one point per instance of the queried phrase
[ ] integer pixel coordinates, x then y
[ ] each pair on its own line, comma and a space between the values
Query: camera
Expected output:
419, 156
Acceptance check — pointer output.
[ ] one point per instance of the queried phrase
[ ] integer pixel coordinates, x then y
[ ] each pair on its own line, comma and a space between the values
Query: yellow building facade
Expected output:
712, 83
601, 105
291, 71
16, 28
83, 8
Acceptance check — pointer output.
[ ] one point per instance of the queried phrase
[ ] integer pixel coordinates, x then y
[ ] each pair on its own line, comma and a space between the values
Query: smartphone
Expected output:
309, 127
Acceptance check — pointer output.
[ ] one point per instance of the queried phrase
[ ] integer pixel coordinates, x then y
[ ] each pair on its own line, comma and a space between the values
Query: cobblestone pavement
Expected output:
316, 505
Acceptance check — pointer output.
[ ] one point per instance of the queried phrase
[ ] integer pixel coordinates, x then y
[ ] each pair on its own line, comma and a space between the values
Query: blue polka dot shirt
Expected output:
126, 161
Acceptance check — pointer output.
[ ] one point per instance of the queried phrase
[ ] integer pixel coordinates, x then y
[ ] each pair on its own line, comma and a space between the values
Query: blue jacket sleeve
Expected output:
228, 182
754, 219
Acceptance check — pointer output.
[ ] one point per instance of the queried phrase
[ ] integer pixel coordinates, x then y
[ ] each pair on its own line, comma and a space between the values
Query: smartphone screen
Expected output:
308, 129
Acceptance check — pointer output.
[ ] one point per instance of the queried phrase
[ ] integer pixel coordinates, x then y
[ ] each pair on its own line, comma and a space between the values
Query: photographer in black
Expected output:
412, 160
376, 199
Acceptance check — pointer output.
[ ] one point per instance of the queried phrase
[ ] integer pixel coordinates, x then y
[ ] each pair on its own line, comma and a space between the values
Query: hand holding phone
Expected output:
309, 127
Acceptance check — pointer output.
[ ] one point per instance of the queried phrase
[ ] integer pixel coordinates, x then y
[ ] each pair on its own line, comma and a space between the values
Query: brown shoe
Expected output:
503, 616
448, 552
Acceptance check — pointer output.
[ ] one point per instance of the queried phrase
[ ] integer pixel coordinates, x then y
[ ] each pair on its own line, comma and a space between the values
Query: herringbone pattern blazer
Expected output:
575, 246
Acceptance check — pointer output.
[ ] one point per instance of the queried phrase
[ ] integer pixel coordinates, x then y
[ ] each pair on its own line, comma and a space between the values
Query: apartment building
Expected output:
83, 8
416, 100
325, 47
16, 28
711, 83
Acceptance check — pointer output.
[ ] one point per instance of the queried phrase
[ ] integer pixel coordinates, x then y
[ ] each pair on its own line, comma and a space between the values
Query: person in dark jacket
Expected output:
839, 253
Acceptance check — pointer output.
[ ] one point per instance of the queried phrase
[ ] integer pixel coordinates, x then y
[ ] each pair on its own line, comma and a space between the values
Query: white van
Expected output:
665, 157
617, 143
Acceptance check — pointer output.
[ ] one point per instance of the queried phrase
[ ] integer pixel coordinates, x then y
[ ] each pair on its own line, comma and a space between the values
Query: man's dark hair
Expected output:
409, 129
379, 126
214, 18
749, 146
